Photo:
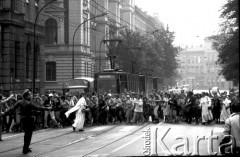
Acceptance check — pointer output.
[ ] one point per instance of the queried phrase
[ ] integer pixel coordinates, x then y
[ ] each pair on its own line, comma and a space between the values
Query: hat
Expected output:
25, 93
109, 94
50, 95
128, 96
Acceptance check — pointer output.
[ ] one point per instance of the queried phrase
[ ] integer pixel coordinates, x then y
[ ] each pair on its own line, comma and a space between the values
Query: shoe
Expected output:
74, 128
1, 140
27, 151
81, 130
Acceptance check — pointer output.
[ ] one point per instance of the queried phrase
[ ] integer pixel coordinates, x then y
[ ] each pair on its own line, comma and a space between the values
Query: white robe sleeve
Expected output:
75, 108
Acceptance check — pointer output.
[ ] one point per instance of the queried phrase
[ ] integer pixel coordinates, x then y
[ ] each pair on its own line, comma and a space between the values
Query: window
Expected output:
1, 3
17, 59
1, 43
51, 31
85, 32
50, 71
86, 68
37, 56
28, 52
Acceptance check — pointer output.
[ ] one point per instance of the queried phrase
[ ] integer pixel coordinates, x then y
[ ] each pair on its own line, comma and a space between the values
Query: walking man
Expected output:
80, 107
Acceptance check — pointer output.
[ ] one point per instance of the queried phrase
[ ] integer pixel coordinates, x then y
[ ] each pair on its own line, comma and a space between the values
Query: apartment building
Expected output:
197, 67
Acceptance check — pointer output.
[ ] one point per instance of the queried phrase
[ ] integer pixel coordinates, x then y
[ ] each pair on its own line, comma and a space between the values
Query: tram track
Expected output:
80, 140
20, 135
106, 145
76, 141
51, 138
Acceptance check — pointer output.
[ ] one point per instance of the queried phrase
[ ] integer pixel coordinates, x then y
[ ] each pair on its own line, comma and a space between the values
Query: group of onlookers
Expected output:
127, 107
65, 110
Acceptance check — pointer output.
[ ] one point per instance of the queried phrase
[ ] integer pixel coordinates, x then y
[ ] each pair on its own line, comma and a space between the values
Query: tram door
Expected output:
122, 82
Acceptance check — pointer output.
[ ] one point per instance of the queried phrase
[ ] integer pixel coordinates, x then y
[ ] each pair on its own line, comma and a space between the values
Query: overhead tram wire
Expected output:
117, 16
103, 12
69, 21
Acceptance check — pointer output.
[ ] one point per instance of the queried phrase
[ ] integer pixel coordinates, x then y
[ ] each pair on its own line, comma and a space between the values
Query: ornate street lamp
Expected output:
113, 45
102, 41
73, 55
34, 46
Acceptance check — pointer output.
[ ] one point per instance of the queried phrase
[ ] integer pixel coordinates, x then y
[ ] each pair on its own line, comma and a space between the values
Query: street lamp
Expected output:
100, 56
34, 45
103, 14
112, 57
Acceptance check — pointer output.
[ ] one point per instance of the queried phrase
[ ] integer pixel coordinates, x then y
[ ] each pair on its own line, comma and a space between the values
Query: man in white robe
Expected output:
80, 108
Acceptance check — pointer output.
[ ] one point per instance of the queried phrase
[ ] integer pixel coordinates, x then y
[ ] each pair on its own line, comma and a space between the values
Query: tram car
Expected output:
119, 81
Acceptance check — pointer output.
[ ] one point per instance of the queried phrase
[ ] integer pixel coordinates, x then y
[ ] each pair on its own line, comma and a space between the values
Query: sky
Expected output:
191, 20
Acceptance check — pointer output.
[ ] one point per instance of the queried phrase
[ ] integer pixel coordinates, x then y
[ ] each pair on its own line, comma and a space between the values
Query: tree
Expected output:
152, 55
130, 54
227, 42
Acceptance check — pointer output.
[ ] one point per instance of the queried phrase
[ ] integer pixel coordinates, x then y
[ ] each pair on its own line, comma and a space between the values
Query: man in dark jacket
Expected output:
188, 107
26, 106
173, 108
216, 107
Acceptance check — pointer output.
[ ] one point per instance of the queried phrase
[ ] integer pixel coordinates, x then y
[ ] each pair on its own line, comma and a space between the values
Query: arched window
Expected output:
50, 71
51, 31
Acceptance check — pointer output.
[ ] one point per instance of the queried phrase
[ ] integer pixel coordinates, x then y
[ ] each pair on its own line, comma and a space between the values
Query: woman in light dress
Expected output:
80, 107
205, 103
166, 108
225, 112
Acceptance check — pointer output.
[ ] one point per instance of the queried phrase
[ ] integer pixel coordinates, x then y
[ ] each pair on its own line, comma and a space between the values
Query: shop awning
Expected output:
77, 83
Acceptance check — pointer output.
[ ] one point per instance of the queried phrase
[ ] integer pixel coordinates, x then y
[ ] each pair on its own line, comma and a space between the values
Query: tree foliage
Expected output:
227, 42
152, 55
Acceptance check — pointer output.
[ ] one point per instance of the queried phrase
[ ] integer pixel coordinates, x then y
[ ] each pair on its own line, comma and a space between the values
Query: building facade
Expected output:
68, 44
67, 47
197, 67
17, 18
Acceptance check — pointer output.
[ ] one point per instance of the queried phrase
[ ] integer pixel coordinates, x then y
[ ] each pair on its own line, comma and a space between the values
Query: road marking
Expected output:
99, 128
127, 128
99, 155
119, 148
12, 136
39, 131
160, 123
115, 150
74, 142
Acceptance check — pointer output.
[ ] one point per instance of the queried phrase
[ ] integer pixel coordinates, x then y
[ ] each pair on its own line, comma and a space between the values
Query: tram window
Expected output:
106, 85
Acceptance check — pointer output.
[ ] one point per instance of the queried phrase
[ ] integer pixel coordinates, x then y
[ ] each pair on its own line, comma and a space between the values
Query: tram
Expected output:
119, 81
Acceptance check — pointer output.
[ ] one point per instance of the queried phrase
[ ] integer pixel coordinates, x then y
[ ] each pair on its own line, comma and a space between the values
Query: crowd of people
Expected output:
55, 110
126, 107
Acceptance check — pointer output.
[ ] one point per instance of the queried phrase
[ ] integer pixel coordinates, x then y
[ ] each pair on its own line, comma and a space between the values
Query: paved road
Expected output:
117, 140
